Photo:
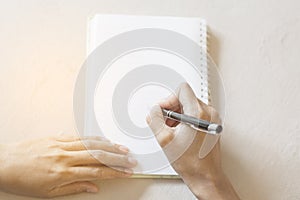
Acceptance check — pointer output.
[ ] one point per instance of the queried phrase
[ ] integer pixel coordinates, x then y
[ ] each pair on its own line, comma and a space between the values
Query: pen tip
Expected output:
215, 128
219, 129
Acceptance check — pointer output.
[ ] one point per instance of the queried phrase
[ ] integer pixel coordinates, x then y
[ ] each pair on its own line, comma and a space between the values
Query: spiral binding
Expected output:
204, 68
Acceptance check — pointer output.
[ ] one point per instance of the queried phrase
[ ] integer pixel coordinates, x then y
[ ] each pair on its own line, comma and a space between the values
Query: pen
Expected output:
194, 122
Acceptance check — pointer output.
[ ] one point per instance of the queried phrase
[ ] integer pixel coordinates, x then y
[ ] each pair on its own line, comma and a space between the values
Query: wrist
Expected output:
200, 184
210, 186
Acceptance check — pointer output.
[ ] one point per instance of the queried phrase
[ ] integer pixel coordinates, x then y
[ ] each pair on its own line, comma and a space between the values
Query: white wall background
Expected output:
256, 44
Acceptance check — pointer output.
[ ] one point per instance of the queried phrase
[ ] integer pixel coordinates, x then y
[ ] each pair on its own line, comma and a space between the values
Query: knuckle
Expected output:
57, 156
202, 114
87, 144
98, 172
101, 156
115, 147
58, 172
62, 157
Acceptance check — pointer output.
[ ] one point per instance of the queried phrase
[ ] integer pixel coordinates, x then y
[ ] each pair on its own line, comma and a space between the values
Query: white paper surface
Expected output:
103, 27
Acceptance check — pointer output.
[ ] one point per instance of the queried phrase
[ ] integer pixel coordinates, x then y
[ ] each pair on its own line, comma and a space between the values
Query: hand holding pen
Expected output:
201, 174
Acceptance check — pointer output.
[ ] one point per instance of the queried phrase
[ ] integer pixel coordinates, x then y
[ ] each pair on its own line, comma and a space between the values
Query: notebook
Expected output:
101, 28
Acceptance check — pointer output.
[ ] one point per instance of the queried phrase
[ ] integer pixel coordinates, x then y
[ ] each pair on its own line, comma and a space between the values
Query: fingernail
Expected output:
91, 190
124, 149
132, 160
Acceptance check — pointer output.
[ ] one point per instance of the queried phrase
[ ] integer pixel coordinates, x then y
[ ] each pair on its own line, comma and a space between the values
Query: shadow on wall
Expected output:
241, 175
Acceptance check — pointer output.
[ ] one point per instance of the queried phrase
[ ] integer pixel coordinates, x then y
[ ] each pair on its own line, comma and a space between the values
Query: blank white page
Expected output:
103, 27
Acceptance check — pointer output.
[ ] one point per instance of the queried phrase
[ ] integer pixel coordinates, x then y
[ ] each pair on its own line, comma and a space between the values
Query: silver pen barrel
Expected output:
193, 121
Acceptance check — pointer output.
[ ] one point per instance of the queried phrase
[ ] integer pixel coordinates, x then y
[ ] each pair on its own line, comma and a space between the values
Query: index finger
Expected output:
171, 103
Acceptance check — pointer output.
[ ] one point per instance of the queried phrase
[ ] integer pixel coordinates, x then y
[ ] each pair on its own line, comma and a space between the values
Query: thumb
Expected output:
163, 133
74, 188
